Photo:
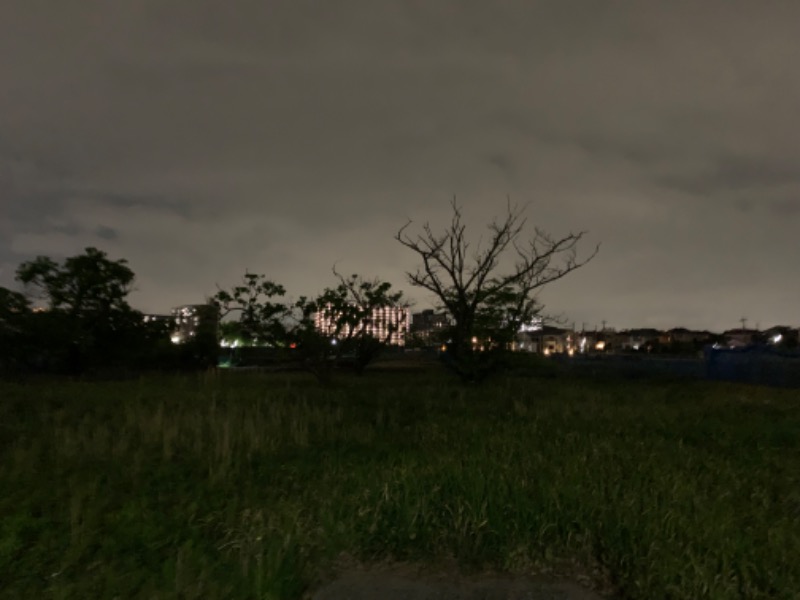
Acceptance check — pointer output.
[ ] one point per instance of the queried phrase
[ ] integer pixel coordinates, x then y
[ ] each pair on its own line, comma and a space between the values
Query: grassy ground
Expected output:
249, 486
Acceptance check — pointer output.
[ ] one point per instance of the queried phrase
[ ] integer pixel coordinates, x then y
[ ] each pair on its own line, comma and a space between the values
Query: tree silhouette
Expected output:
484, 299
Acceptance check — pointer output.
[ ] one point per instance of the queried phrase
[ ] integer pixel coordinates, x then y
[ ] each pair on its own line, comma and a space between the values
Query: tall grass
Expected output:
249, 486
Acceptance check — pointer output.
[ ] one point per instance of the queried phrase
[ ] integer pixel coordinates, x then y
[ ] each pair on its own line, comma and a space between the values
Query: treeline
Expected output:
73, 318
342, 327
488, 289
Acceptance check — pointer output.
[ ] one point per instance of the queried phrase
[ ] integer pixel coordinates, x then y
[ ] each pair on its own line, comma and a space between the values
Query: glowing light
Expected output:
534, 325
384, 323
777, 339
601, 345
176, 339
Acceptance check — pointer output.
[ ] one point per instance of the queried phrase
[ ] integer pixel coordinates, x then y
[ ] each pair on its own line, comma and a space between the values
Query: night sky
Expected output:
200, 138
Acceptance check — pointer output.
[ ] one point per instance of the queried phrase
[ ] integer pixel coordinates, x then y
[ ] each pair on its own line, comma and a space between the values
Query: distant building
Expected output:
388, 324
546, 340
681, 335
165, 319
638, 339
781, 336
428, 326
593, 342
737, 338
193, 320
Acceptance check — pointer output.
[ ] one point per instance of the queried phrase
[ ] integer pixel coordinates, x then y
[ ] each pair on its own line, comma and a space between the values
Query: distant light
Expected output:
601, 345
777, 339
547, 351
176, 339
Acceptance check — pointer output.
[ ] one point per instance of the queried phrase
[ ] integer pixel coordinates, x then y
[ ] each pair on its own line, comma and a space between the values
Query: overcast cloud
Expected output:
199, 138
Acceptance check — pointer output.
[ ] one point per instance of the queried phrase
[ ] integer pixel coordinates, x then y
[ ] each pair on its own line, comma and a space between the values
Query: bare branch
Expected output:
472, 286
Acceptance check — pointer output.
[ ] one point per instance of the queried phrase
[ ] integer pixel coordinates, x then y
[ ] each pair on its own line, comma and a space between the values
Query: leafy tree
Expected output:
354, 317
15, 312
485, 299
346, 313
85, 285
88, 321
262, 315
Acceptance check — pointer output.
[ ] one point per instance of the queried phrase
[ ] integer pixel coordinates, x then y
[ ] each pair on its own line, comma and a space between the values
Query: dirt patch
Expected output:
398, 582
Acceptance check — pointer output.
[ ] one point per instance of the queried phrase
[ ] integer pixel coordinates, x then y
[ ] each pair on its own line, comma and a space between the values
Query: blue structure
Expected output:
758, 364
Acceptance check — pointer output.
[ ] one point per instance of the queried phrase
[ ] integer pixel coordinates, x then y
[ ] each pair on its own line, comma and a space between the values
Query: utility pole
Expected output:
743, 321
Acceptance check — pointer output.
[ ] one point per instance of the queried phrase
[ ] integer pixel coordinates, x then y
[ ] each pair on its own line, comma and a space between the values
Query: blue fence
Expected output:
634, 366
761, 365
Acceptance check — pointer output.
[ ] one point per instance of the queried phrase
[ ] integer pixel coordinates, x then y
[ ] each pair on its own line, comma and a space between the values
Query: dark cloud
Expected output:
282, 136
106, 233
737, 173
787, 208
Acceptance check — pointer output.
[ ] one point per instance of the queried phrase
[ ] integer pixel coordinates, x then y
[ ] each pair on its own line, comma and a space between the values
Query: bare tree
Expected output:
482, 298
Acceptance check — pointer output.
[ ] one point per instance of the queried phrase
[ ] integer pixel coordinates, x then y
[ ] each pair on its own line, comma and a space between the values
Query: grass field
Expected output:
252, 486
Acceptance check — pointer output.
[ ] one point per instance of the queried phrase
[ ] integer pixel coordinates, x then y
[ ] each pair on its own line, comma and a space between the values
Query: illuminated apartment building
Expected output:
388, 324
194, 319
430, 327
165, 319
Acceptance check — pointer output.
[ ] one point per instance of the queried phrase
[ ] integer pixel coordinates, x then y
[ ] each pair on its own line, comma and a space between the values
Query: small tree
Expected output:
352, 312
262, 316
485, 298
322, 332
